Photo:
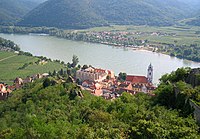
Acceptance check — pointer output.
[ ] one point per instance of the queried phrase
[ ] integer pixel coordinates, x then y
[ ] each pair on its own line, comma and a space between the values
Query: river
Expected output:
99, 55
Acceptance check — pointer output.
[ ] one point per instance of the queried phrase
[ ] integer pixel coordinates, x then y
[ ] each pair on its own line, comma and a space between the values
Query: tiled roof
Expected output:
136, 79
100, 70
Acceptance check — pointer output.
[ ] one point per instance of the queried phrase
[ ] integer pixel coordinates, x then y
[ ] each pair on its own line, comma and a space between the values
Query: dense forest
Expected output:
178, 88
48, 108
74, 14
8, 45
11, 11
77, 14
189, 52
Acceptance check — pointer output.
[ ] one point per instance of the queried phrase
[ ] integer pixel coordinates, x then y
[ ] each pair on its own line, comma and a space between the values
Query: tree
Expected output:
122, 76
46, 82
54, 73
85, 67
74, 61
61, 72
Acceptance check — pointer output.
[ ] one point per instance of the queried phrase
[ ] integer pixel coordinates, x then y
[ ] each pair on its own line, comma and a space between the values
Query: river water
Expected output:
99, 55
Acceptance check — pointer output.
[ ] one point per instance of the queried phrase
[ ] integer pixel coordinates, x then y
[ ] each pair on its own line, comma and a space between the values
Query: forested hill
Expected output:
48, 109
195, 16
84, 13
12, 10
194, 22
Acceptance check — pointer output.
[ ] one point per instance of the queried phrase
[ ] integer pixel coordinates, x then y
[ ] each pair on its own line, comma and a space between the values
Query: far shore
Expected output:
134, 48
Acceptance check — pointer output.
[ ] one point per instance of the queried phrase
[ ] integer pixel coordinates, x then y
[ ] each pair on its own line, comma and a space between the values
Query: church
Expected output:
142, 83
142, 79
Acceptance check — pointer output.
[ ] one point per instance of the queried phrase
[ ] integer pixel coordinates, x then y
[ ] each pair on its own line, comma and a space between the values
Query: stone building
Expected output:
94, 74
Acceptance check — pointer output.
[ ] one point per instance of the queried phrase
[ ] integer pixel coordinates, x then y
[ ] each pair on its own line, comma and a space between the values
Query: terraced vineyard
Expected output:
11, 66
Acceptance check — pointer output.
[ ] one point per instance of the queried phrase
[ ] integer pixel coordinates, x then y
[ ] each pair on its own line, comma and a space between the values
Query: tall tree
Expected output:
75, 61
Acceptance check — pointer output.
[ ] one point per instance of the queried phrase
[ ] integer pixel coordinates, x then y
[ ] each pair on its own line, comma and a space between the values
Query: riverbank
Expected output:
173, 41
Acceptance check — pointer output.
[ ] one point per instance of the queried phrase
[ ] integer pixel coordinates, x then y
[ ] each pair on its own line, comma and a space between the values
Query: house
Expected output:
87, 84
134, 88
18, 83
110, 96
36, 76
3, 92
94, 74
2, 88
45, 74
98, 90
126, 86
28, 80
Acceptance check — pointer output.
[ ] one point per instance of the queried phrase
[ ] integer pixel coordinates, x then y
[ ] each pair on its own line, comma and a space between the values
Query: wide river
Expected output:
99, 55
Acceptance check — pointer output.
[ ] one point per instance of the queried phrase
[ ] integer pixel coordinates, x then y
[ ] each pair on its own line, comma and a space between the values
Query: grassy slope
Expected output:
9, 67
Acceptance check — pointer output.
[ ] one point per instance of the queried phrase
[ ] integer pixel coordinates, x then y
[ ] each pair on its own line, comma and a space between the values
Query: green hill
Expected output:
57, 110
90, 13
12, 10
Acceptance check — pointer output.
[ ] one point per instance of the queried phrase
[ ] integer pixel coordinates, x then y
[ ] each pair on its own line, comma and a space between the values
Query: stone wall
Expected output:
196, 111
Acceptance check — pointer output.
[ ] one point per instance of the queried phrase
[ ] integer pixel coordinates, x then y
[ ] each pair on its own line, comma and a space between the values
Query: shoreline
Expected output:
133, 48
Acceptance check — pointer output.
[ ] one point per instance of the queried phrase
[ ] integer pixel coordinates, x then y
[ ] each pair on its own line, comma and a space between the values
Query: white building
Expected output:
94, 74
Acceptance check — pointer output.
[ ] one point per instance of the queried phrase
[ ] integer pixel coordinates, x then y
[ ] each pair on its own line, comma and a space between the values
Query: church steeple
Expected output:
150, 74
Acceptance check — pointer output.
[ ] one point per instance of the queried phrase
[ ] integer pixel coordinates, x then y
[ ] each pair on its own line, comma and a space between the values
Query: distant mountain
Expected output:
194, 4
13, 10
90, 13
194, 21
37, 1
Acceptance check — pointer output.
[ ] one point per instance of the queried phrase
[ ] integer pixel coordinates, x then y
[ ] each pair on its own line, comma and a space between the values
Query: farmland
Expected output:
11, 63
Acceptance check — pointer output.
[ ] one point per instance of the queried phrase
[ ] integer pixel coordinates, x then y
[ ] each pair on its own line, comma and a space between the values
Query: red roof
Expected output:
136, 79
100, 70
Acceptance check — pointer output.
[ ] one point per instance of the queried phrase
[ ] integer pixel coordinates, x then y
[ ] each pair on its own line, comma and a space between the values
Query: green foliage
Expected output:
59, 112
83, 14
190, 52
74, 61
8, 45
122, 76
23, 66
178, 88
47, 82
12, 10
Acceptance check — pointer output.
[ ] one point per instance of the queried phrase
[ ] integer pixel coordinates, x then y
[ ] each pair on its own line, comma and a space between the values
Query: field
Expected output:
181, 34
10, 64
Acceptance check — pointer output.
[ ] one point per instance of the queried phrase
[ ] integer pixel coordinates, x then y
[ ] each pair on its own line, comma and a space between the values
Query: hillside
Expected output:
14, 65
12, 10
194, 4
58, 111
85, 14
194, 19
194, 22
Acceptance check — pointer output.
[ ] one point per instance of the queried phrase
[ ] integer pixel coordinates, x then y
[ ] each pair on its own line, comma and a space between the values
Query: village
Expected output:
116, 38
99, 82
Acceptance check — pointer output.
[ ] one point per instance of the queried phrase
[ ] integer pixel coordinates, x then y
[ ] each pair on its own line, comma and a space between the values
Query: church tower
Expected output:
150, 74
